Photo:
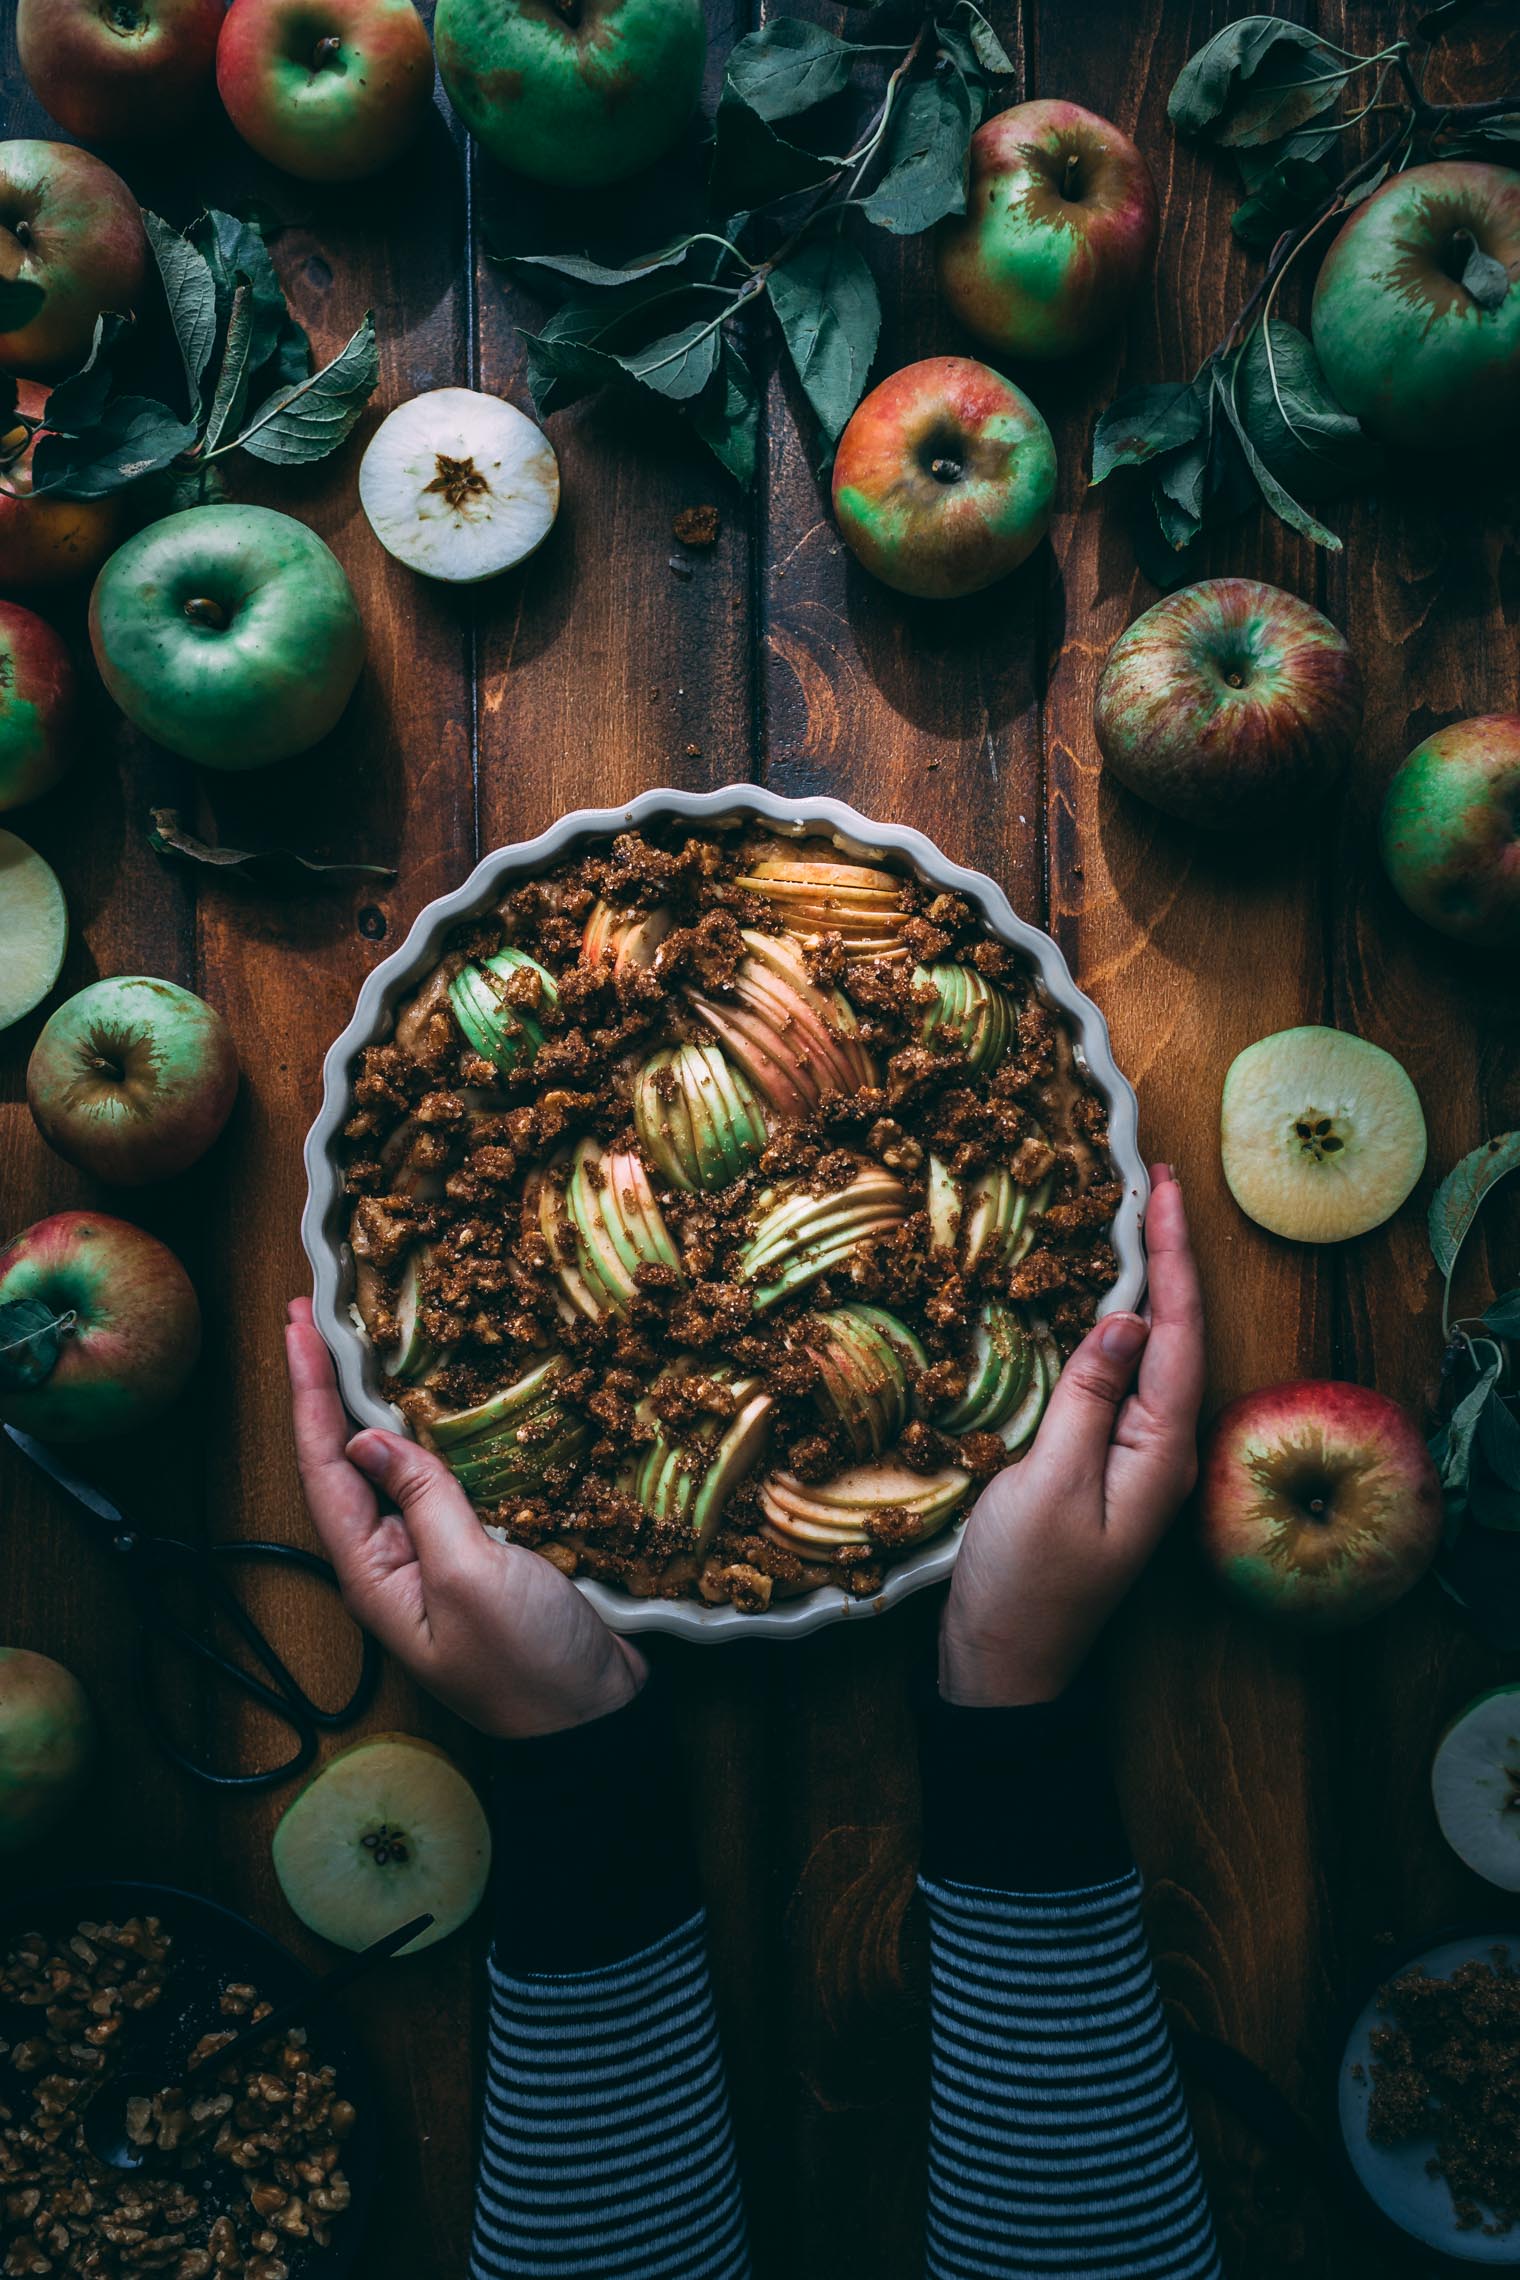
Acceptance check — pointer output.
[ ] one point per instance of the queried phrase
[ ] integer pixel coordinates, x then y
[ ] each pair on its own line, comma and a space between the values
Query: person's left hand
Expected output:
498, 1634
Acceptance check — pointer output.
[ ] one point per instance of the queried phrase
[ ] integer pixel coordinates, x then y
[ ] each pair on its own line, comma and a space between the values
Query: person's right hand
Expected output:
498, 1634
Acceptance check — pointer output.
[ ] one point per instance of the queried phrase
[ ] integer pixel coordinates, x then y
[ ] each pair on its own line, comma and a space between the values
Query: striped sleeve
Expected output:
606, 2144
1059, 2142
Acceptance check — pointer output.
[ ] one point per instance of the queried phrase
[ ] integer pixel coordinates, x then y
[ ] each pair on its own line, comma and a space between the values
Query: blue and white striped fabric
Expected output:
1059, 2142
607, 2147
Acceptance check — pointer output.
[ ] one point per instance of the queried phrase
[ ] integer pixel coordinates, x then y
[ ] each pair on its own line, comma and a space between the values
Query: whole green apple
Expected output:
230, 634
1059, 229
132, 1078
99, 1327
47, 1739
943, 478
72, 227
1229, 703
330, 90
36, 706
1450, 832
576, 93
119, 70
1422, 360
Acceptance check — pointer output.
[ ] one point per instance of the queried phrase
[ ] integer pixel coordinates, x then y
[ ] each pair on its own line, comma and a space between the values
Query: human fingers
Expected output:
1071, 1447
1173, 1368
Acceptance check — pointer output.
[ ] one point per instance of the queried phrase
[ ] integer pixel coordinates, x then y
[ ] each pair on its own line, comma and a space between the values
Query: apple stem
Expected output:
327, 53
201, 610
1069, 177
569, 12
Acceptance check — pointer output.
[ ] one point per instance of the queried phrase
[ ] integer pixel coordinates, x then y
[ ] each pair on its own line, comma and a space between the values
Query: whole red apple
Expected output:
36, 706
1229, 703
1059, 229
1451, 830
99, 1327
133, 1079
49, 541
328, 89
1421, 359
1319, 1501
72, 227
47, 1739
943, 478
119, 70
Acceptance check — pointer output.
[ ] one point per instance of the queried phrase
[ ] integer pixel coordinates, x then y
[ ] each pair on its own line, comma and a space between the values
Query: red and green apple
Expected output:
132, 1079
1450, 830
119, 70
330, 90
48, 541
71, 227
36, 706
47, 1740
99, 1327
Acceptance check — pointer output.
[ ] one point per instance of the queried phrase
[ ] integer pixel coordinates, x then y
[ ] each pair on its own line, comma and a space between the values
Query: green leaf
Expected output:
78, 402
134, 436
1288, 193
786, 67
20, 300
1311, 443
1462, 1427
230, 399
1483, 278
309, 420
31, 1333
1144, 422
190, 291
1502, 1315
1486, 138
580, 269
925, 156
1499, 1440
752, 164
1455, 1204
167, 836
727, 416
825, 301
988, 48
678, 364
1178, 488
1254, 82
232, 250
562, 369
1280, 500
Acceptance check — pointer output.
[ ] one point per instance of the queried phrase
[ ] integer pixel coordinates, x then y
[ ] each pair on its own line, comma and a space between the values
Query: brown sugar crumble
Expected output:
1447, 2066
721, 1208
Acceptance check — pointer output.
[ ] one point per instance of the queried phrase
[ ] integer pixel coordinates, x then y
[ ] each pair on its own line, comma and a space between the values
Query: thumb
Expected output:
1079, 1423
440, 1519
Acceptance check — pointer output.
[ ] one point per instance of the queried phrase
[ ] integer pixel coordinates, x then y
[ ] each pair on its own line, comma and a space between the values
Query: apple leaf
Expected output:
133, 437
31, 1333
1499, 1441
1278, 497
1254, 82
1291, 191
190, 293
1455, 1204
20, 300
1493, 138
928, 134
1462, 1426
1311, 443
580, 269
233, 249
677, 364
826, 303
988, 49
1502, 1315
167, 836
786, 67
1484, 279
1144, 422
305, 422
727, 416
230, 399
752, 164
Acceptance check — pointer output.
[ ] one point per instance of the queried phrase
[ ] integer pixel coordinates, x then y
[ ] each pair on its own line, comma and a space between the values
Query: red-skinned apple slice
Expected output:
800, 1236
618, 1225
812, 896
864, 1355
835, 1515
794, 1041
630, 936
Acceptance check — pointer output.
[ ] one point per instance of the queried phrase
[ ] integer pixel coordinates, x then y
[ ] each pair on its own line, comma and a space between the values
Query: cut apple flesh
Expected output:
690, 1480
459, 485
800, 1236
506, 1445
698, 1119
1476, 1784
496, 1028
1001, 1364
388, 1830
630, 937
944, 1207
617, 1228
836, 1515
1321, 1133
863, 1355
413, 1353
812, 897
794, 1041
966, 1011
34, 928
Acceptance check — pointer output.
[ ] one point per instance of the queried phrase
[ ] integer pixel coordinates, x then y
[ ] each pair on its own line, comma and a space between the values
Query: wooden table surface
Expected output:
1277, 1792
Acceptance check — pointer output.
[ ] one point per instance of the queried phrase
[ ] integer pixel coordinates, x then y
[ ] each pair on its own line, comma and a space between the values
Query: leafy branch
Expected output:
1477, 1449
671, 323
241, 374
1258, 421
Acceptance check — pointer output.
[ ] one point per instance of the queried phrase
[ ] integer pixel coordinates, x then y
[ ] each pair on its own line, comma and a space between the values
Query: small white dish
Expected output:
324, 1221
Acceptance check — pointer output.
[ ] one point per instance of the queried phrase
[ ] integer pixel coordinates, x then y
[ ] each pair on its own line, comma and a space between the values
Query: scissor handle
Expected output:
283, 1697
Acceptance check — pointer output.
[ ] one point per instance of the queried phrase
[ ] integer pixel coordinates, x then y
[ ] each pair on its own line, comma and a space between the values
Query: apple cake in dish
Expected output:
720, 1208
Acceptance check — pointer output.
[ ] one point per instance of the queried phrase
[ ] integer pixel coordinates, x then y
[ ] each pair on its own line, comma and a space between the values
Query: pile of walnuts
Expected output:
244, 2169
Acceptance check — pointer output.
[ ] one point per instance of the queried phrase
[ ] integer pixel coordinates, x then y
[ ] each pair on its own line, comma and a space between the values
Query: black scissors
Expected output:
153, 1565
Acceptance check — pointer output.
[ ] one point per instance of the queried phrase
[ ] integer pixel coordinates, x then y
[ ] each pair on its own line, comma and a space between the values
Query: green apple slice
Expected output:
698, 1119
544, 1208
389, 1829
509, 1405
995, 1209
944, 1201
494, 1027
967, 1011
800, 1237
1017, 1431
34, 928
1001, 1364
1321, 1133
414, 1353
864, 1355
691, 1480
1476, 1784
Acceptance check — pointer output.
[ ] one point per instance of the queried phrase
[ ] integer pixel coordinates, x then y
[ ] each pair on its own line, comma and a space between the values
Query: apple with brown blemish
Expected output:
73, 229
328, 90
120, 70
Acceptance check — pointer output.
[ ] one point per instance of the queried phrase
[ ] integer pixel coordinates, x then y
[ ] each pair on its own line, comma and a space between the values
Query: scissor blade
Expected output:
83, 1491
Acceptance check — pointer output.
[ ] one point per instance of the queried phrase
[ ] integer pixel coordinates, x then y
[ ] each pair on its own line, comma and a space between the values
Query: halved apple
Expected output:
800, 1235
863, 1355
967, 1011
835, 1515
499, 1030
506, 1445
794, 1040
689, 1480
617, 1225
813, 896
699, 1119
627, 934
